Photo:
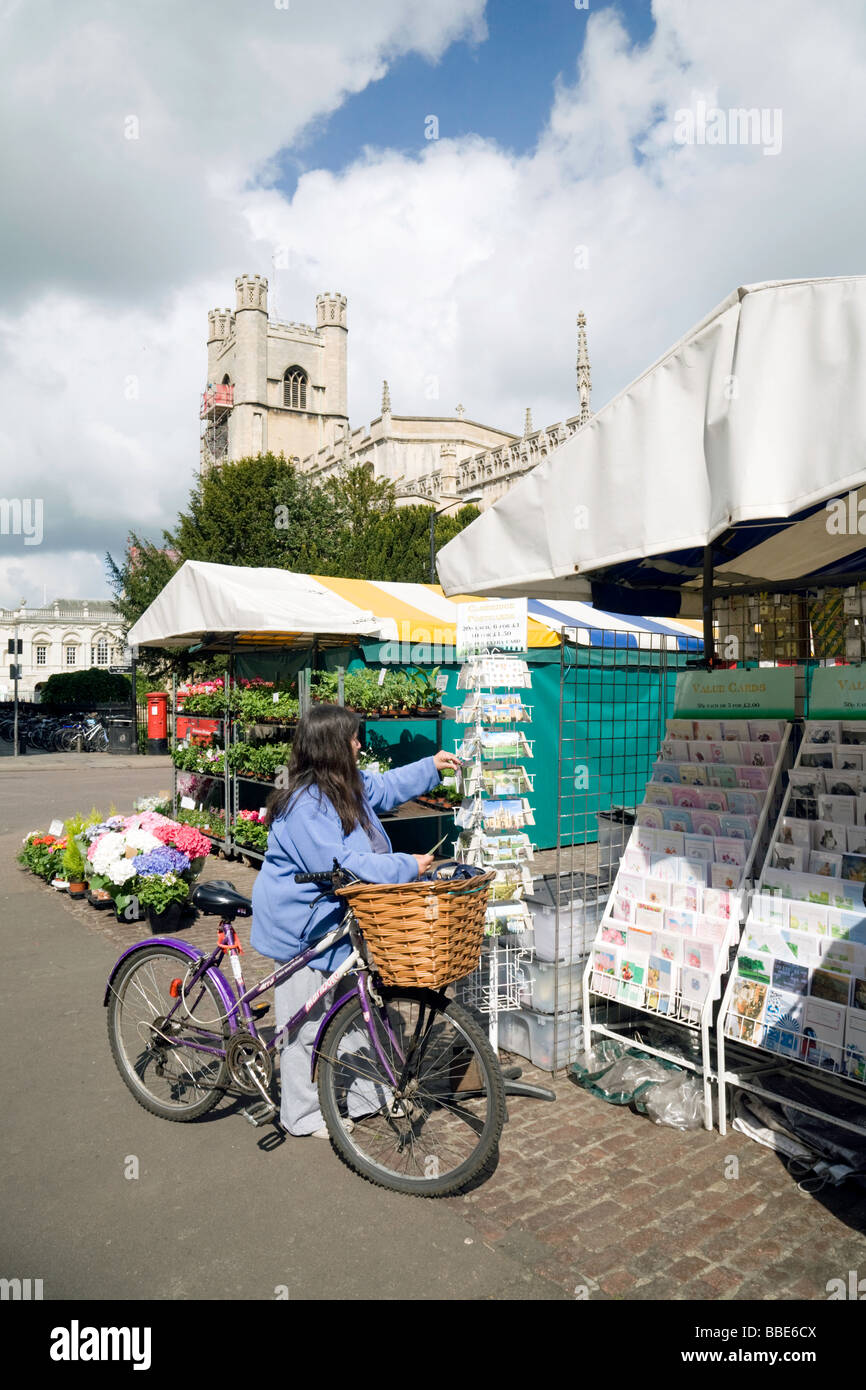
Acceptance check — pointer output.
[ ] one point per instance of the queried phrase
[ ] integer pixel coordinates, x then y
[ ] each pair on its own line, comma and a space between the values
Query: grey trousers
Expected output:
299, 1103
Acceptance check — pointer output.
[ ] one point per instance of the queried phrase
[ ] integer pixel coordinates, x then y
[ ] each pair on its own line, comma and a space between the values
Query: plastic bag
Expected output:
588, 1066
678, 1102
629, 1077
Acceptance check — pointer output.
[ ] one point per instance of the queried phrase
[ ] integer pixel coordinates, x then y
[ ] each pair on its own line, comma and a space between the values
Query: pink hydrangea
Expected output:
186, 838
147, 820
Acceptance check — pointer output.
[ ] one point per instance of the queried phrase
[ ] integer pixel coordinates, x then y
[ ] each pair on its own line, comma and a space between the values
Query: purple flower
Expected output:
161, 861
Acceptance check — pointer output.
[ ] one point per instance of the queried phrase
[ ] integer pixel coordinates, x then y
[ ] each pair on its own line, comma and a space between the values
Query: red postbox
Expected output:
157, 722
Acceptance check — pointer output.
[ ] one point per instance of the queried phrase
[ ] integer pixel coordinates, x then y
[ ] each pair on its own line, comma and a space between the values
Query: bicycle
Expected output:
411, 1069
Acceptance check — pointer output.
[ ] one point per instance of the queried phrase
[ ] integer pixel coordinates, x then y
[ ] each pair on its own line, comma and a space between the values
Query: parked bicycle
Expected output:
411, 1068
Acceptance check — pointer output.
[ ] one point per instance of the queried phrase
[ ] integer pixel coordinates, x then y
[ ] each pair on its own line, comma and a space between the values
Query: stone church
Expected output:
283, 387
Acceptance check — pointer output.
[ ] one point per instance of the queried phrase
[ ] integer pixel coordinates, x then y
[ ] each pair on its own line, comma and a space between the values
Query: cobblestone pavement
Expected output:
605, 1205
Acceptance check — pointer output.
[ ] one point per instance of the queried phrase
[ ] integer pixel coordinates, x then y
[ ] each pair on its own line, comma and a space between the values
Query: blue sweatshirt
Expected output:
309, 836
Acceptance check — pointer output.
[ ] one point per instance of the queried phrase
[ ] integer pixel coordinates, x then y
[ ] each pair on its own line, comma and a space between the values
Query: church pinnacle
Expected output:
386, 399
584, 380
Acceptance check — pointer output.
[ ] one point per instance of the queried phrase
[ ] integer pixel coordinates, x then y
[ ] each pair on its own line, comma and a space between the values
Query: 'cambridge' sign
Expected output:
838, 690
491, 625
767, 692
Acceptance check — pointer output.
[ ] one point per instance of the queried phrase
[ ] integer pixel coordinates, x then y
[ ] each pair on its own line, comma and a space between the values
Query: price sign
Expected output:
491, 625
442, 682
56, 827
187, 803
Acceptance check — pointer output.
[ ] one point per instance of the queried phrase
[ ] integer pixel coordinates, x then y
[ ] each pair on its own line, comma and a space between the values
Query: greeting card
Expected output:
730, 851
635, 861
758, 778
808, 917
823, 731
677, 818
651, 816
739, 827
663, 866
790, 858
669, 842
743, 803
719, 903
856, 839
766, 730
657, 891
693, 774
791, 976
657, 794
723, 775
825, 865
651, 915
699, 847
833, 985
840, 809
683, 923
679, 728
797, 832
673, 750
685, 896
706, 822
708, 730
855, 1045
665, 772
844, 784
745, 1009
854, 867
811, 756
687, 796
823, 1034
613, 932
669, 945
784, 1013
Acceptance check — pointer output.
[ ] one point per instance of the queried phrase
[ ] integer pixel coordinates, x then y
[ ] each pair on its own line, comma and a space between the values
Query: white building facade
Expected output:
282, 387
66, 635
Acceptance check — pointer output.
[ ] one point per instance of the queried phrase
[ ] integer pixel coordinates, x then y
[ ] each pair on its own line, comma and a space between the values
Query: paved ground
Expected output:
588, 1200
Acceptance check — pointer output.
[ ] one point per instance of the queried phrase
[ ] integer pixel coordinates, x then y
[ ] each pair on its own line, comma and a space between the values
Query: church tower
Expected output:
584, 380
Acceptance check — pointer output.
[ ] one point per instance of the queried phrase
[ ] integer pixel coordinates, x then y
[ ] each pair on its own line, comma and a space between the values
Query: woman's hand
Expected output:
443, 760
424, 862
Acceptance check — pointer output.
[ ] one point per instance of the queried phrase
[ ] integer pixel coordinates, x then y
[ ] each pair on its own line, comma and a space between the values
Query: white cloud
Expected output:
459, 261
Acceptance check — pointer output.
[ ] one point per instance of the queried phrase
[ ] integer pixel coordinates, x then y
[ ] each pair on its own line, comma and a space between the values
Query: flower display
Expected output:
147, 820
142, 840
120, 871
186, 838
105, 850
160, 861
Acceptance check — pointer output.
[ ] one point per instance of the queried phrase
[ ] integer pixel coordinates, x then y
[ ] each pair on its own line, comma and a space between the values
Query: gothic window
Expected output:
295, 389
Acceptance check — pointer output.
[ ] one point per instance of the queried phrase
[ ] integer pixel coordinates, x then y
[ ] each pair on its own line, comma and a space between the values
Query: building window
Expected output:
70, 656
295, 389
101, 651
41, 656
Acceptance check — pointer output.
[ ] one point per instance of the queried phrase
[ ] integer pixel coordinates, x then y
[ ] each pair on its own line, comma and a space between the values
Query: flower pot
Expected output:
61, 884
99, 897
77, 889
164, 923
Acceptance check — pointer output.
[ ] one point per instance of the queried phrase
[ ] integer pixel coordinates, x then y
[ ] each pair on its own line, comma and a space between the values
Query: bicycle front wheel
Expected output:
428, 1112
163, 1061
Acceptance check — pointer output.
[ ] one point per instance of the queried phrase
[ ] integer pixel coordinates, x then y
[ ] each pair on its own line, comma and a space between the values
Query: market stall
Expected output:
723, 482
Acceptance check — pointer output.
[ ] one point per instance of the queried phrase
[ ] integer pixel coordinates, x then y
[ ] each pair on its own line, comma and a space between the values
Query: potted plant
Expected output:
163, 896
73, 864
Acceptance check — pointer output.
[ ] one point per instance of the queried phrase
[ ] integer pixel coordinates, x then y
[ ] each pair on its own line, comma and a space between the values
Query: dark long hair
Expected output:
323, 757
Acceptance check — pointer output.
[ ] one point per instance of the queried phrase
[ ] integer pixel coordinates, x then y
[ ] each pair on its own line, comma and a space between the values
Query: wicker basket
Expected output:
425, 935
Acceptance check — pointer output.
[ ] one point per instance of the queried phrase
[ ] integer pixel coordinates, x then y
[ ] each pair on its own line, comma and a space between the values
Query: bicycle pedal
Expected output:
259, 1010
259, 1114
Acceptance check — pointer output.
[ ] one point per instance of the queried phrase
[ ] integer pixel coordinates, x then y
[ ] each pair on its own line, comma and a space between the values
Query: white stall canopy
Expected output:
218, 604
739, 439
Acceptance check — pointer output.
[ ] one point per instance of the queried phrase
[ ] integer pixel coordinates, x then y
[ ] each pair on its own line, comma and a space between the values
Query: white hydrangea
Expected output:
119, 870
142, 841
109, 848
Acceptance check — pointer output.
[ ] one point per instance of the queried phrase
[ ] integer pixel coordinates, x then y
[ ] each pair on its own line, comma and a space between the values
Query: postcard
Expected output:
848, 924
854, 733
797, 832
708, 730
789, 858
699, 847
683, 923
738, 827
823, 864
843, 783
757, 968
810, 756
656, 891
632, 978
858, 994
746, 1007
825, 731
743, 803
766, 730
791, 976
840, 809
824, 1034
685, 896
693, 774
605, 972
706, 822
833, 985
782, 1031
809, 784
854, 867
692, 871
808, 917
830, 838
848, 758
665, 772
659, 794
855, 1045
668, 842
668, 944
725, 876
613, 933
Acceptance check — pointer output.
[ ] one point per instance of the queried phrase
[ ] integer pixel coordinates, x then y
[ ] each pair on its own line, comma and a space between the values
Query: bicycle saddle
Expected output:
220, 896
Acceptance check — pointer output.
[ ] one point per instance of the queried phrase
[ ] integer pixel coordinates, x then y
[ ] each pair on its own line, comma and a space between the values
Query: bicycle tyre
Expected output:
173, 1093
387, 1149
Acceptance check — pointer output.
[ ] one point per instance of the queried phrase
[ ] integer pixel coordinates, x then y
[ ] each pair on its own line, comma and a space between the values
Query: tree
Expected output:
83, 689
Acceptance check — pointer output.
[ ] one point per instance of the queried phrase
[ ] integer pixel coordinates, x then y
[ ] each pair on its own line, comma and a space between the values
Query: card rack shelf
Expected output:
494, 820
772, 1022
680, 984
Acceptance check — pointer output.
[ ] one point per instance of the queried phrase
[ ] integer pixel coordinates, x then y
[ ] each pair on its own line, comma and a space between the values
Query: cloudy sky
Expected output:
153, 151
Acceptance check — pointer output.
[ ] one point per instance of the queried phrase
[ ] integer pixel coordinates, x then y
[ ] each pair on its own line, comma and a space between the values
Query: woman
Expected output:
327, 812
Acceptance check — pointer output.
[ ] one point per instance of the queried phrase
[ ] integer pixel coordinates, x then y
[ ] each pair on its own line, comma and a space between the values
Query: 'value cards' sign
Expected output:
491, 625
768, 692
838, 690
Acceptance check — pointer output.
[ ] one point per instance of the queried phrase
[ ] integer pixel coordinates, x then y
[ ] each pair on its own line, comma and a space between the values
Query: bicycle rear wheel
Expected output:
161, 1062
439, 1126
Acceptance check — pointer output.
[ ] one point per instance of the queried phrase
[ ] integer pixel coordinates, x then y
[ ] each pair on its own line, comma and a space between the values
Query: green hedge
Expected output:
86, 688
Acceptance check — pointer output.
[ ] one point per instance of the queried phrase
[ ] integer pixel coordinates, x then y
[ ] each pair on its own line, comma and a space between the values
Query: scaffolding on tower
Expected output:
216, 406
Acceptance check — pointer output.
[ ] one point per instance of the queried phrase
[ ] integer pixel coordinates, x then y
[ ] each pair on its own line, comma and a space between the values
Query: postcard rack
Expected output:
795, 1003
672, 921
494, 820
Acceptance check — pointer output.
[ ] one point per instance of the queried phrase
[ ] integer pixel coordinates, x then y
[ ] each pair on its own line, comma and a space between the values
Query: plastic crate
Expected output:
530, 1035
578, 918
540, 990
